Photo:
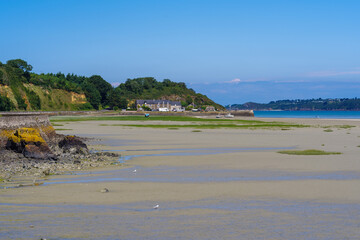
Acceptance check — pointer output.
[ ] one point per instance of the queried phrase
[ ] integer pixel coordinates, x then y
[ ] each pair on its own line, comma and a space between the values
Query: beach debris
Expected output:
156, 206
104, 190
134, 171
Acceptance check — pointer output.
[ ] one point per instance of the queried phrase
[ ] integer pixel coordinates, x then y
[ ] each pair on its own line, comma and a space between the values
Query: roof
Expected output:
141, 102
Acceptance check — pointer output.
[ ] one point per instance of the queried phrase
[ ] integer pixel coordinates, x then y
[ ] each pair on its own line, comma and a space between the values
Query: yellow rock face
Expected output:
25, 135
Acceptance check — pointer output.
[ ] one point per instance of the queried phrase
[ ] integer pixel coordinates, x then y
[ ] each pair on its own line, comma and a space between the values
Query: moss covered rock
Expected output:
29, 142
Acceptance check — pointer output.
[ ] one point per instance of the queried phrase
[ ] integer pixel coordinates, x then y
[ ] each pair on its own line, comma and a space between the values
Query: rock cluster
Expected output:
29, 142
29, 146
27, 153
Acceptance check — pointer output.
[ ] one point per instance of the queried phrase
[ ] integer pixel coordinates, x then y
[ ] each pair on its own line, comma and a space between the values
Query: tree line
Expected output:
99, 93
329, 104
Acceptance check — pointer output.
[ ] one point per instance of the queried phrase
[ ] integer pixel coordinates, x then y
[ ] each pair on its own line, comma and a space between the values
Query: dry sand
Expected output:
341, 140
185, 217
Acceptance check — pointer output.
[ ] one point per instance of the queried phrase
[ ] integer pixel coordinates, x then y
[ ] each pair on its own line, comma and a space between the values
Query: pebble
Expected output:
104, 190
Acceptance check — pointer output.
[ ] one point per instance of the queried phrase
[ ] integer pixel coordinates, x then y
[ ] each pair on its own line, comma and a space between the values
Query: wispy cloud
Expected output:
236, 80
333, 73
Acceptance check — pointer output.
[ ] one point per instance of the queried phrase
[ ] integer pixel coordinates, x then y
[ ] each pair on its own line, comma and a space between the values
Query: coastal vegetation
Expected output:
328, 104
308, 152
21, 89
213, 126
152, 118
187, 122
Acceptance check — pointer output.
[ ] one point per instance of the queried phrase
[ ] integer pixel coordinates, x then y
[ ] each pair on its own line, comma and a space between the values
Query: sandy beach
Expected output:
213, 183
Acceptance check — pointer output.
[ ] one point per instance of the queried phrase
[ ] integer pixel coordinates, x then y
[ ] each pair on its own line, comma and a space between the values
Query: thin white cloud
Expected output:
236, 80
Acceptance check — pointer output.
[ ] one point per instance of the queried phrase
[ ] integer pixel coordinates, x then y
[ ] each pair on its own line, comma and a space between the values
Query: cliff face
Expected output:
50, 99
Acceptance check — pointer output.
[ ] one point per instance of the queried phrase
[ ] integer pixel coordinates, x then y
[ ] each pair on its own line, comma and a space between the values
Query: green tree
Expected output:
34, 99
6, 104
1, 77
92, 94
19, 63
102, 86
188, 99
116, 100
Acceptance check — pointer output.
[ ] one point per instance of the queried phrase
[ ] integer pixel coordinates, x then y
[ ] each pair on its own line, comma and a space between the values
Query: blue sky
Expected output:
232, 51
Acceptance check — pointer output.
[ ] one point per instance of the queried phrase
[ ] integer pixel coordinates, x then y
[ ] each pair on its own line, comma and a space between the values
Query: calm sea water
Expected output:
309, 114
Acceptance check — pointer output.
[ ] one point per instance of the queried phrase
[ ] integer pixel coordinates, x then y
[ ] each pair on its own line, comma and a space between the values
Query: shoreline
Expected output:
160, 138
197, 180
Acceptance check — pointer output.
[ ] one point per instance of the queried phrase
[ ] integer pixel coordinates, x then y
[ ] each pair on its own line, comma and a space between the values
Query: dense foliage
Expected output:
6, 104
309, 104
150, 88
99, 93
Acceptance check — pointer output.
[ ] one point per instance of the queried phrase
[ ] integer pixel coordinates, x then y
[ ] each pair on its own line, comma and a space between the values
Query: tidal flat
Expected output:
217, 183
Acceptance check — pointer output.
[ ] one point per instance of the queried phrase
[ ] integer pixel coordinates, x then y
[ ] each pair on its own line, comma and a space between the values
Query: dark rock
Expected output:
77, 162
39, 152
29, 143
47, 172
73, 145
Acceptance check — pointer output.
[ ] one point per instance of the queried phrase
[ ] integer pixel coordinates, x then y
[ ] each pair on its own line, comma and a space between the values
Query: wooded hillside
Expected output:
21, 89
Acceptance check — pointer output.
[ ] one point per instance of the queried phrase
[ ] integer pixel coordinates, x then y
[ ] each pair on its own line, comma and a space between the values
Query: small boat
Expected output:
229, 115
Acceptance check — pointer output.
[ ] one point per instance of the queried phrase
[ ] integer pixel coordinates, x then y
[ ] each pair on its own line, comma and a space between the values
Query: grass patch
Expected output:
308, 152
62, 129
192, 122
358, 145
152, 118
328, 130
57, 125
196, 131
213, 126
345, 126
173, 128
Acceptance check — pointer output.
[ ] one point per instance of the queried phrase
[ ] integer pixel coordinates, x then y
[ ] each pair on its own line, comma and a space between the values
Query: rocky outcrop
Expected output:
29, 145
29, 142
10, 122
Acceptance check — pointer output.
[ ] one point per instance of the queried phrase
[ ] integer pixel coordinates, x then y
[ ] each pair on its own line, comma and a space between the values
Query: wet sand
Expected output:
244, 188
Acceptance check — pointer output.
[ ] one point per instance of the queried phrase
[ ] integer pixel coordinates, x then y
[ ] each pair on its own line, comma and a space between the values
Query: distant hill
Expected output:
150, 88
21, 89
351, 104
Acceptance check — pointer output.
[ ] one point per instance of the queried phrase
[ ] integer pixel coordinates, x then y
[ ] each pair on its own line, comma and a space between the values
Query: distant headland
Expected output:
329, 104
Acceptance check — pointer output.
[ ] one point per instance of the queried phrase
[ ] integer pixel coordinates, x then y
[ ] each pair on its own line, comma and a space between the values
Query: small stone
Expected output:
104, 190
46, 172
